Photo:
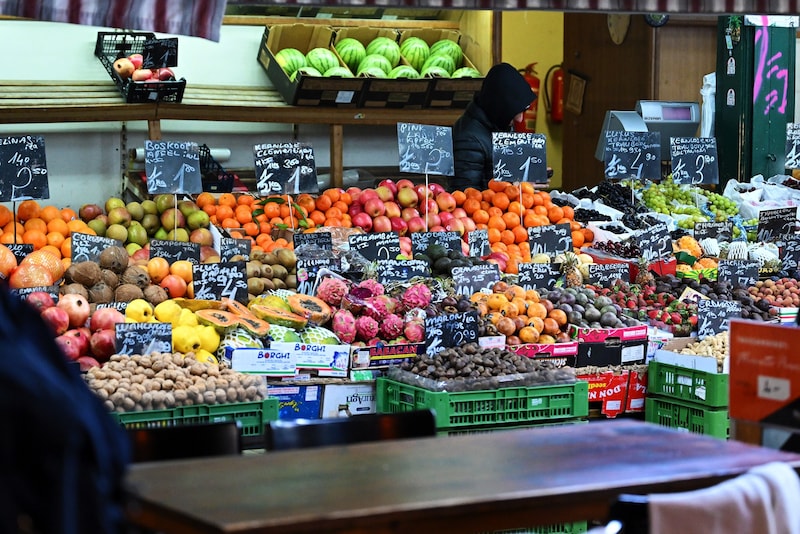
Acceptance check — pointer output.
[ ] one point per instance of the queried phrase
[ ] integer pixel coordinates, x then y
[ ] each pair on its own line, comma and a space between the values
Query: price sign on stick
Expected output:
23, 169
713, 315
142, 338
694, 160
655, 242
313, 240
538, 275
425, 149
634, 155
605, 274
790, 254
230, 247
308, 270
550, 239
213, 281
158, 53
88, 247
792, 146
173, 251
740, 273
420, 241
172, 167
479, 243
285, 168
474, 278
720, 230
519, 157
401, 270
450, 330
377, 246
775, 224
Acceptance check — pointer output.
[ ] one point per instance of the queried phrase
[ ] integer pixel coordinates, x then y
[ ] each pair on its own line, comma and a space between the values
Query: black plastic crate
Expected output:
214, 177
111, 46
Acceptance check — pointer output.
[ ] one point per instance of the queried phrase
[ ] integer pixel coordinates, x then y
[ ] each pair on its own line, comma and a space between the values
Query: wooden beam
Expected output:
254, 20
337, 156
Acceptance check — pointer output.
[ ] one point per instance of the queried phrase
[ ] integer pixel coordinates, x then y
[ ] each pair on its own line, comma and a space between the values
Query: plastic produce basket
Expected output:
689, 417
700, 387
251, 415
503, 406
111, 46
214, 177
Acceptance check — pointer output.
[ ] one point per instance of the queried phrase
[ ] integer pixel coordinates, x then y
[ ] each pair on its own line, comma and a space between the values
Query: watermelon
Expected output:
372, 71
466, 72
322, 59
386, 47
342, 72
351, 51
305, 71
403, 71
434, 71
451, 48
290, 59
440, 60
416, 51
375, 60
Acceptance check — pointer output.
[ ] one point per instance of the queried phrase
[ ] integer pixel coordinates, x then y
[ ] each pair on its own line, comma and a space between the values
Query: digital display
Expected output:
676, 113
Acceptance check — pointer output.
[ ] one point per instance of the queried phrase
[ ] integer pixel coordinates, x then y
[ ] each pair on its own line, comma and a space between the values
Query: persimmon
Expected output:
555, 214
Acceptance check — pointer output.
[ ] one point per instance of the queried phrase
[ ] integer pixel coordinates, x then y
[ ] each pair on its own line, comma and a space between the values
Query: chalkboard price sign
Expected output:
479, 243
538, 275
285, 168
605, 274
172, 167
23, 168
790, 254
655, 242
720, 230
142, 338
425, 149
450, 330
474, 278
173, 251
308, 269
401, 270
87, 247
230, 247
550, 239
213, 281
160, 53
313, 240
119, 306
792, 146
20, 250
634, 155
694, 160
420, 241
713, 315
519, 157
775, 224
377, 246
23, 292
740, 273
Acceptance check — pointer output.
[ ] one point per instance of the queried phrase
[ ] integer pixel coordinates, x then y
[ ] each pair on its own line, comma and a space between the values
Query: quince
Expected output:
209, 338
168, 311
139, 311
185, 339
187, 318
203, 356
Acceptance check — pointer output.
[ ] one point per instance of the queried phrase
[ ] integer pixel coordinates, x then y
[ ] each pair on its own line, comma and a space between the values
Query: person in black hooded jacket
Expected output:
503, 97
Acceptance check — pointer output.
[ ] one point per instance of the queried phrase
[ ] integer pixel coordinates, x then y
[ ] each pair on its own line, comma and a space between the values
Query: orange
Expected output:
341, 206
460, 197
28, 209
577, 238
345, 197
58, 225
35, 223
157, 268
224, 212
245, 200
472, 192
512, 192
317, 216
8, 238
538, 198
480, 217
569, 213
588, 235
210, 209
507, 237
334, 194
527, 200
68, 214
540, 210
333, 213
55, 251
77, 226
37, 238
516, 207
526, 188
493, 235
511, 219
496, 221
500, 200
5, 215
49, 213
494, 210
555, 214
56, 239
323, 203
487, 195
306, 201
66, 248
205, 199
182, 269
497, 185
227, 199
251, 229
230, 222
243, 214
471, 205
520, 234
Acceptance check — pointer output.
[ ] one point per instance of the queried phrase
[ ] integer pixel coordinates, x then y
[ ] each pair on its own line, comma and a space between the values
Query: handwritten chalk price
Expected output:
519, 157
425, 149
285, 168
23, 169
172, 167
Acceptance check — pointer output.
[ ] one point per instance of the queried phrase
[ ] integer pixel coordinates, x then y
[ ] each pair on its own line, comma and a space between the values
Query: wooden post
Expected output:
337, 156
154, 130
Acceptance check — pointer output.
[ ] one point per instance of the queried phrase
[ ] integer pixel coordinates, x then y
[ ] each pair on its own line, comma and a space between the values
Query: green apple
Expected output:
161, 234
114, 202
164, 202
149, 206
98, 225
118, 232
132, 247
198, 219
136, 210
137, 234
178, 234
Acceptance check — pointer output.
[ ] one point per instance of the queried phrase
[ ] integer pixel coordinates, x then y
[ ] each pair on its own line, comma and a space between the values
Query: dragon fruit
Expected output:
366, 328
332, 290
414, 331
417, 296
391, 326
354, 300
375, 287
379, 307
344, 325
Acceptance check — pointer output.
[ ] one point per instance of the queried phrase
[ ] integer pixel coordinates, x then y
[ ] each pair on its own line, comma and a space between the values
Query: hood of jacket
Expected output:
504, 93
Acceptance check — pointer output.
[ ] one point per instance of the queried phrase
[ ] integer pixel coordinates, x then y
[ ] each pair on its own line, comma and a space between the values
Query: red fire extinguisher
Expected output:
528, 122
554, 97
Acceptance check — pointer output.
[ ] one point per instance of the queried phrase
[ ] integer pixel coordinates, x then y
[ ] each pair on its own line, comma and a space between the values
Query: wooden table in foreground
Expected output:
465, 483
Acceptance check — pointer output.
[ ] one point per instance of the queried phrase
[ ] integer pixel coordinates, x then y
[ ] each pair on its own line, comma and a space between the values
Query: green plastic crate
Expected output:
561, 528
692, 385
503, 406
251, 415
693, 418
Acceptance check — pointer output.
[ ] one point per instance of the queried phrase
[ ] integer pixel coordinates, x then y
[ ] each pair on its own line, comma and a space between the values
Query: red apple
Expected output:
384, 193
455, 225
437, 228
363, 221
436, 188
57, 319
87, 212
354, 209
124, 67
404, 183
40, 300
137, 60
374, 207
102, 344
423, 192
405, 245
165, 74
459, 213
140, 75
354, 192
381, 223
392, 209
430, 206
409, 213
105, 319
445, 217
416, 224
367, 194
77, 308
407, 197
433, 219
389, 183
445, 201
399, 225
208, 254
465, 248
87, 362
469, 224
201, 236
69, 347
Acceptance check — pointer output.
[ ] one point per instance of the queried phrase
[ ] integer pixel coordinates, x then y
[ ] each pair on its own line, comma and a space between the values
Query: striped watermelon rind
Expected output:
290, 59
443, 61
451, 48
305, 71
434, 71
387, 48
372, 72
415, 51
339, 71
322, 59
375, 60
403, 71
352, 51
466, 72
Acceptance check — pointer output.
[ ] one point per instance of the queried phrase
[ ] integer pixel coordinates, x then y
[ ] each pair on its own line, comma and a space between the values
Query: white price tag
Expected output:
773, 388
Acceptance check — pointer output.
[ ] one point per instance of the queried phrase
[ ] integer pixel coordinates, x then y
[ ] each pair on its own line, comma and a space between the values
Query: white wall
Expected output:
85, 160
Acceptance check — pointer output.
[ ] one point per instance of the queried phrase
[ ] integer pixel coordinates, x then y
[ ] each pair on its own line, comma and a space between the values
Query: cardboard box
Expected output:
383, 92
608, 390
612, 351
381, 357
297, 401
306, 90
597, 335
637, 390
344, 400
561, 354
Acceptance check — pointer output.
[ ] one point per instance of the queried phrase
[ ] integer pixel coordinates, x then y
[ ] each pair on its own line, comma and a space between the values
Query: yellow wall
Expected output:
537, 36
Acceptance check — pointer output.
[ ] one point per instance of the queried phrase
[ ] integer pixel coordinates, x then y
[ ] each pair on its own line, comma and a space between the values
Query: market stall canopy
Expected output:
199, 18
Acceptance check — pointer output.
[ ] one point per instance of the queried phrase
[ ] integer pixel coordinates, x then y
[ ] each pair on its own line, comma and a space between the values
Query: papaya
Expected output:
271, 301
221, 320
199, 304
236, 307
254, 325
279, 317
312, 308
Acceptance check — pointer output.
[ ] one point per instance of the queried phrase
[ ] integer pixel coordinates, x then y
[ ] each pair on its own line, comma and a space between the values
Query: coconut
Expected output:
136, 275
155, 294
100, 293
128, 292
114, 258
110, 278
76, 288
86, 273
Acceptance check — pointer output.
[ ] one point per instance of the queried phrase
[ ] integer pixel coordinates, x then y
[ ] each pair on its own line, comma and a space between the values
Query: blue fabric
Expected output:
62, 457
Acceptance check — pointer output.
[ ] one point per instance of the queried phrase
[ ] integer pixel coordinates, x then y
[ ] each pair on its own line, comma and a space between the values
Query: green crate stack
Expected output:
687, 399
562, 528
